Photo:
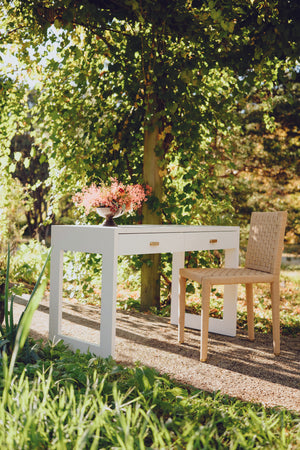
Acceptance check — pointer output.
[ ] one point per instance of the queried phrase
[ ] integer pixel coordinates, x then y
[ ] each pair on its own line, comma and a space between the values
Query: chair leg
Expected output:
250, 311
204, 320
181, 309
275, 297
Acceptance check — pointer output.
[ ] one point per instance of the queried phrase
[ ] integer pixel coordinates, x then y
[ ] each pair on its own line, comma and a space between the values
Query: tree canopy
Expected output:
145, 91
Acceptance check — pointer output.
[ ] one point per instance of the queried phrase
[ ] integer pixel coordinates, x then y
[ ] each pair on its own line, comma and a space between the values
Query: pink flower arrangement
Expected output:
115, 196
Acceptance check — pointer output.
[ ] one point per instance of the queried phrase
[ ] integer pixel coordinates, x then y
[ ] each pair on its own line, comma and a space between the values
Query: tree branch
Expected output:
11, 32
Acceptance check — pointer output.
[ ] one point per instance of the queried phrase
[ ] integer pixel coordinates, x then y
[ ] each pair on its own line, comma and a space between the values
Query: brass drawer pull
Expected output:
213, 241
154, 244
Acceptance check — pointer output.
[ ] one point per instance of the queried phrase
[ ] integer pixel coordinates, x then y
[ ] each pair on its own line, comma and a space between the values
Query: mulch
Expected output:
236, 367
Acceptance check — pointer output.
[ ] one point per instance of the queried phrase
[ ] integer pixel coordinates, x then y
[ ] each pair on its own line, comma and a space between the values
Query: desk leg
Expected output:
230, 295
108, 304
227, 325
56, 283
177, 263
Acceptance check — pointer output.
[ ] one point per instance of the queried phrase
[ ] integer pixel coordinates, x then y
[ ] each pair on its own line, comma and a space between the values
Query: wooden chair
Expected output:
262, 265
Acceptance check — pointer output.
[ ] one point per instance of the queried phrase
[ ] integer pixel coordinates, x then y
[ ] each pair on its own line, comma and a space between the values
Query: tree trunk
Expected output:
150, 276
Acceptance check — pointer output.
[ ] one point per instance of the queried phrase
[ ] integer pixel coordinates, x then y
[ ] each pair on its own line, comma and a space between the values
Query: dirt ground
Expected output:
237, 367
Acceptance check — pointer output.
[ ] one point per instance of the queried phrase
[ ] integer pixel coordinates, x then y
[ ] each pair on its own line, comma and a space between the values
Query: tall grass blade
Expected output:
26, 318
38, 280
6, 288
6, 383
11, 312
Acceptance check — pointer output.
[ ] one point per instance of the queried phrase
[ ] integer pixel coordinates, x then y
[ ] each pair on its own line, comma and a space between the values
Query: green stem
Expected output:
6, 289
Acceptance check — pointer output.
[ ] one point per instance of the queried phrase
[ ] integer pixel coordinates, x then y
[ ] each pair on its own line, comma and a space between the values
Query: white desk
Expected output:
130, 240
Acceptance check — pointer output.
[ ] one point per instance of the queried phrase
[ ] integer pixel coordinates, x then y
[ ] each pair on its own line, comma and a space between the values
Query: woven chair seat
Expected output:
227, 275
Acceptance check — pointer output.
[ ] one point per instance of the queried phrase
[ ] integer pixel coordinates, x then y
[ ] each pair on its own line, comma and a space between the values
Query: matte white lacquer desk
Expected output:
131, 240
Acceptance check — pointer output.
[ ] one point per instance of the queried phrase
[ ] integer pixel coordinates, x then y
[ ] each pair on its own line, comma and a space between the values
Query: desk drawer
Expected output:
176, 242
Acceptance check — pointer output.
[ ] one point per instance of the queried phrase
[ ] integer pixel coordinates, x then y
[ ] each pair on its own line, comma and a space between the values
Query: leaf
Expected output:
26, 163
18, 156
12, 168
26, 318
231, 27
57, 24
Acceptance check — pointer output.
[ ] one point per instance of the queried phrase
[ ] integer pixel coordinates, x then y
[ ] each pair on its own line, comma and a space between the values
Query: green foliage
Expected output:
265, 175
82, 276
69, 400
168, 61
31, 169
11, 216
28, 262
13, 337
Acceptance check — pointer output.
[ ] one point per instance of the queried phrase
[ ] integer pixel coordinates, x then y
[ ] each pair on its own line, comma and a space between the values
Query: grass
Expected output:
62, 400
76, 401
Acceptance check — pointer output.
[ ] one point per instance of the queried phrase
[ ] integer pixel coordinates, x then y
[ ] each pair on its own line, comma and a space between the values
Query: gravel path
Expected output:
246, 370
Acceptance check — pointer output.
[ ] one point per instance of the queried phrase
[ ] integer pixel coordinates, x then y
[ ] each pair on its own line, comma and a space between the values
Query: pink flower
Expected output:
115, 196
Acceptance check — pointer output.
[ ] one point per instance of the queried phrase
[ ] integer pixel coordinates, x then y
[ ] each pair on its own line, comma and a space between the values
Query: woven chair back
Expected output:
265, 244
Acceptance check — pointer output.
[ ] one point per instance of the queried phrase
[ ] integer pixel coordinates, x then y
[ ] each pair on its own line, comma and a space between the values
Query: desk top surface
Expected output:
146, 229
